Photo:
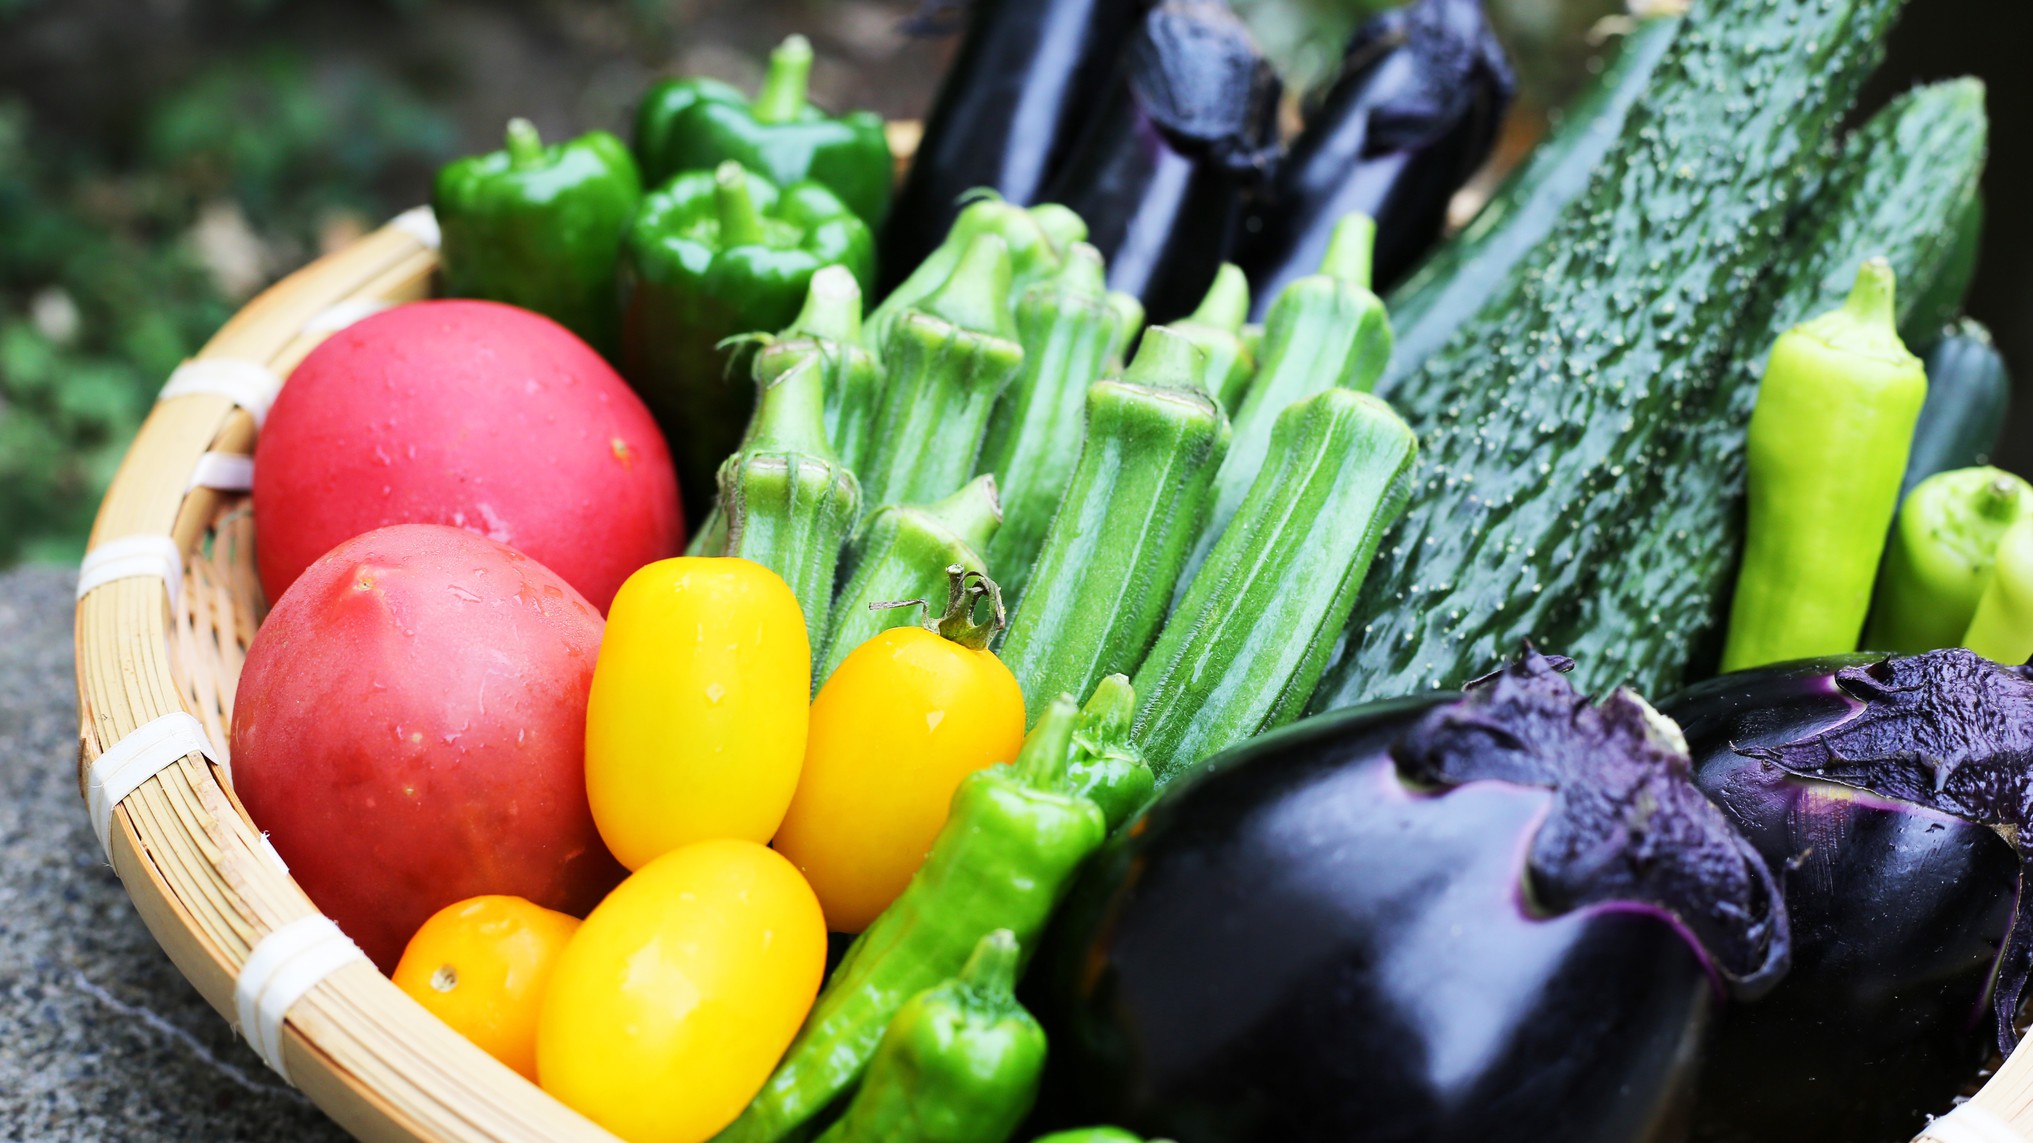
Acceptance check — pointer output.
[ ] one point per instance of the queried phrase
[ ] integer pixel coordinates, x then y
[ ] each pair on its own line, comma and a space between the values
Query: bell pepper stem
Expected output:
991, 969
784, 88
1165, 360
740, 223
1044, 760
965, 590
832, 310
1226, 305
525, 146
1351, 251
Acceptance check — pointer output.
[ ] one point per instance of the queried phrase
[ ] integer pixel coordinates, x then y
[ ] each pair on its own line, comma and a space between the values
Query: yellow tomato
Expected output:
481, 965
903, 719
696, 724
680, 992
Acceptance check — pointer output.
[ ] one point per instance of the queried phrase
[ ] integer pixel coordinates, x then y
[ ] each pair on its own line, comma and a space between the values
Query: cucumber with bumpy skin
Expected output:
1547, 423
1241, 653
1136, 502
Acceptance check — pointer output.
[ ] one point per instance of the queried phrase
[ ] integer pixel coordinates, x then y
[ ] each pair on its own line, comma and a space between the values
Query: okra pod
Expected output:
1066, 327
1826, 450
901, 553
1037, 237
829, 328
1132, 511
1940, 558
788, 500
1326, 330
949, 359
2002, 629
1244, 649
1216, 330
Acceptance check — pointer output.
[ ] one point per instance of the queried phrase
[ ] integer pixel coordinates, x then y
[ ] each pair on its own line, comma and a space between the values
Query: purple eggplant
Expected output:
1171, 150
1885, 791
1498, 917
1024, 84
1415, 113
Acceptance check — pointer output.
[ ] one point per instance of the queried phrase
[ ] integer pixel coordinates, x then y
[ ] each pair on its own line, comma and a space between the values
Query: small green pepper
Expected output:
789, 501
1940, 558
949, 358
2002, 628
1067, 328
959, 1063
1216, 330
1827, 448
1090, 1135
1107, 770
713, 255
902, 553
1038, 239
1007, 853
540, 227
697, 124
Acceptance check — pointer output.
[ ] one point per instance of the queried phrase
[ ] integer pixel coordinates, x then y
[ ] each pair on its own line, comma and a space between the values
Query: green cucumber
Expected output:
1902, 181
1243, 650
1133, 508
1546, 423
1968, 393
949, 359
902, 553
1463, 275
1067, 328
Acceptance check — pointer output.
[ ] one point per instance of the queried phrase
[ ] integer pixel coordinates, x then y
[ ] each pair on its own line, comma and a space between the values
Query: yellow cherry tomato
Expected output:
680, 992
481, 965
696, 725
902, 720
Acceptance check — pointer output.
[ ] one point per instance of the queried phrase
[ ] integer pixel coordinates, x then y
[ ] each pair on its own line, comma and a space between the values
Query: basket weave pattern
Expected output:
201, 875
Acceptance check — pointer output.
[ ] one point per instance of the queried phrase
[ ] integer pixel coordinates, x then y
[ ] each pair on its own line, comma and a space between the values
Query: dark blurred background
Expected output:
162, 160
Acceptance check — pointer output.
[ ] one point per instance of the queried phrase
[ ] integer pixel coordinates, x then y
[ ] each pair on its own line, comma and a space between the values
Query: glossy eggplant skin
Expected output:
1174, 146
1021, 89
1898, 914
1416, 111
1294, 945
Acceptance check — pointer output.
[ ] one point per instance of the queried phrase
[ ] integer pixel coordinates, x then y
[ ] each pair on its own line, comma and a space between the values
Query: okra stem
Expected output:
832, 308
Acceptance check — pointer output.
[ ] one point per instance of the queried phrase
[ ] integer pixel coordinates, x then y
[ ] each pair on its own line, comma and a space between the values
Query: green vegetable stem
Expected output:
697, 124
1107, 768
959, 1063
902, 553
1136, 503
712, 255
540, 227
949, 359
1828, 444
1940, 558
1215, 329
829, 328
1009, 849
1038, 239
1067, 329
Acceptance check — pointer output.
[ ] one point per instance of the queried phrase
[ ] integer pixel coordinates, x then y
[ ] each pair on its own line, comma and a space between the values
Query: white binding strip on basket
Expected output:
248, 384
148, 751
224, 472
285, 965
1970, 1123
336, 317
419, 223
134, 557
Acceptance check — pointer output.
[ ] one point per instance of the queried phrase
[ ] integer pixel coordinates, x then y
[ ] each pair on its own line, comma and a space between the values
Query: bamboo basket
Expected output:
202, 876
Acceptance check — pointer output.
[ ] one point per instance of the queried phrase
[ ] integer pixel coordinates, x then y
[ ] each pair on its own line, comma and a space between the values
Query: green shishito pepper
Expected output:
1827, 448
2002, 628
1008, 851
696, 124
712, 255
1940, 558
540, 227
960, 1062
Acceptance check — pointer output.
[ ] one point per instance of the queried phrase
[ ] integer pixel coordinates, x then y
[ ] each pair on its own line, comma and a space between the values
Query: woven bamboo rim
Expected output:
196, 868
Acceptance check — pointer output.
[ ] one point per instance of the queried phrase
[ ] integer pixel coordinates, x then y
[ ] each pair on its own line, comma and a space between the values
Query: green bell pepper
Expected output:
540, 227
696, 124
960, 1062
1827, 448
2002, 629
1009, 849
713, 255
1940, 558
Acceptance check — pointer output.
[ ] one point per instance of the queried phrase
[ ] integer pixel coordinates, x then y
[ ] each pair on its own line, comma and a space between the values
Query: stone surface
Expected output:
100, 1037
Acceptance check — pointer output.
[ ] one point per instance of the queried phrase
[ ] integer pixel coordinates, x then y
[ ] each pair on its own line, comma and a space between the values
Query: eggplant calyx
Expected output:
1950, 731
1457, 61
1627, 823
1199, 79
